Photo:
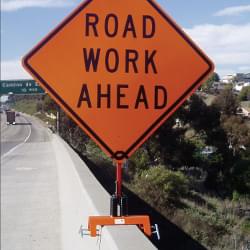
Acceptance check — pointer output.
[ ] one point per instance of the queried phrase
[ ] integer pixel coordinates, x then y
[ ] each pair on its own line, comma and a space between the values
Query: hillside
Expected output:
193, 174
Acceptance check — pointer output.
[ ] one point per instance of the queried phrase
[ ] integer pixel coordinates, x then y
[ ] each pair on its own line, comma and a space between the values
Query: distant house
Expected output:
240, 85
246, 112
218, 86
245, 109
240, 77
228, 78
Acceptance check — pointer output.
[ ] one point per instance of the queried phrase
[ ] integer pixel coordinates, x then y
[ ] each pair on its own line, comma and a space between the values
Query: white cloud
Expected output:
244, 68
13, 5
233, 11
13, 70
227, 45
225, 71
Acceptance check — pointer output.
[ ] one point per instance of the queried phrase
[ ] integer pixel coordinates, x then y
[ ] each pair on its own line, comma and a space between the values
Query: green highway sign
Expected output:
20, 87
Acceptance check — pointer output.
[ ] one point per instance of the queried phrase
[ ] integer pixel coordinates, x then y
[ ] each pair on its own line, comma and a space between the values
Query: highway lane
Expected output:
30, 209
13, 135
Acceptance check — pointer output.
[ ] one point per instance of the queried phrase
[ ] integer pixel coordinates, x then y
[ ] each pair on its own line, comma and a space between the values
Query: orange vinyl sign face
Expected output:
119, 69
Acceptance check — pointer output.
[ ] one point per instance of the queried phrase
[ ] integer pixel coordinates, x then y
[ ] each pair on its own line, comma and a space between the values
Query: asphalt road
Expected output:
13, 135
30, 210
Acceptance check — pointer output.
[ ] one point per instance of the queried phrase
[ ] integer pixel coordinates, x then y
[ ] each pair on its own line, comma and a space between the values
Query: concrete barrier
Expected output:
81, 195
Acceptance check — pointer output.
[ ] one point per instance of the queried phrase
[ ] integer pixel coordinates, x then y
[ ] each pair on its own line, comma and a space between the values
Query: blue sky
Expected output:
220, 27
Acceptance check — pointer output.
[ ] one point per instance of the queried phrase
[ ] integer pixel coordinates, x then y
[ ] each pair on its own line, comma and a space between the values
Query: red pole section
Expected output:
119, 179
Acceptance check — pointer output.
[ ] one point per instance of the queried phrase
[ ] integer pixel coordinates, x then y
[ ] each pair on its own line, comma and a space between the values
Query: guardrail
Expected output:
81, 195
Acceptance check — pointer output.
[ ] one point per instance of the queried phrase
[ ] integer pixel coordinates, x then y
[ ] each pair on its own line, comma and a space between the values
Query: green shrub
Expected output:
245, 227
138, 162
241, 176
160, 186
26, 106
244, 94
236, 196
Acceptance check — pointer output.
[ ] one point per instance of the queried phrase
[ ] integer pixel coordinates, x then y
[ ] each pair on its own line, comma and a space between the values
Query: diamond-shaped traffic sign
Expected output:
119, 69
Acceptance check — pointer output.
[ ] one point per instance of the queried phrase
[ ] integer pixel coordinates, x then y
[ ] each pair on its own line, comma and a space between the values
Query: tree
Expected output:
215, 172
237, 131
206, 122
244, 94
227, 102
201, 116
170, 141
241, 176
49, 105
209, 83
39, 106
73, 134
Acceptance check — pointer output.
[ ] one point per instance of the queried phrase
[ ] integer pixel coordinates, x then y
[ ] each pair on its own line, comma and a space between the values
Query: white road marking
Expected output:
25, 169
18, 145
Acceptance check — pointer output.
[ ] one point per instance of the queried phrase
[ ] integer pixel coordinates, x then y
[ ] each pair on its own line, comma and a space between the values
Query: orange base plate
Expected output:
142, 221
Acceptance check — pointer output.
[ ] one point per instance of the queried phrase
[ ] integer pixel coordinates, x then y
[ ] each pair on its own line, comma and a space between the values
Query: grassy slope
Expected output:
214, 222
30, 107
26, 106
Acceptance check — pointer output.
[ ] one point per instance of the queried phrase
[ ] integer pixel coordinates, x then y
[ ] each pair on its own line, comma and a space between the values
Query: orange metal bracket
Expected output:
120, 218
142, 221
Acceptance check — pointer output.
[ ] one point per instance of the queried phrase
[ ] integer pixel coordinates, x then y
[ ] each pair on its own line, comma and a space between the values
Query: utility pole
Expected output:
58, 115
